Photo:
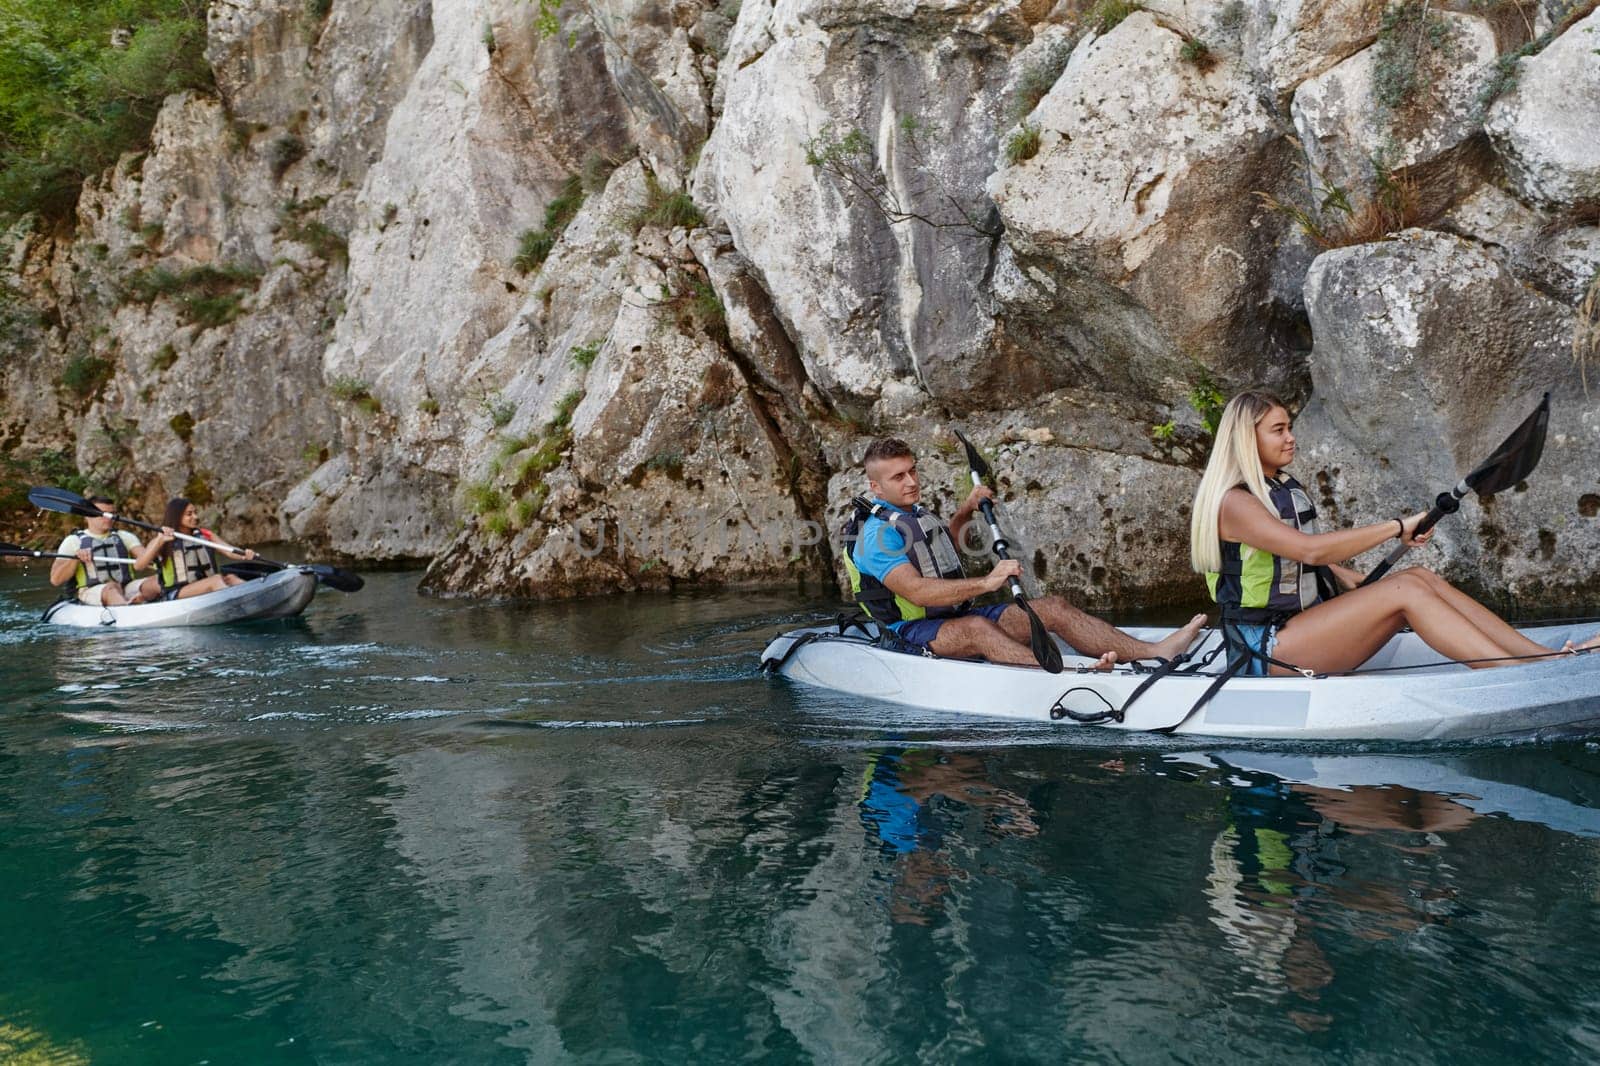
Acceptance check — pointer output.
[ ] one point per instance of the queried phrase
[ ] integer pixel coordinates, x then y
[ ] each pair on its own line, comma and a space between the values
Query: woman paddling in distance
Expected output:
1249, 535
186, 569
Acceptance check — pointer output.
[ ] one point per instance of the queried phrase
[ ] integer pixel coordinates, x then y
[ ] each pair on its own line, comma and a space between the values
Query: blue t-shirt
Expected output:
880, 548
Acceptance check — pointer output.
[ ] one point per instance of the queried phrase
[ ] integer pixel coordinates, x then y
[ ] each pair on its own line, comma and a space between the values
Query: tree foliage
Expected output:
81, 82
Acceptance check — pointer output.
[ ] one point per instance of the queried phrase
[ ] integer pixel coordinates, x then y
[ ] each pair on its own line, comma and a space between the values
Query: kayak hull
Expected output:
1401, 694
280, 595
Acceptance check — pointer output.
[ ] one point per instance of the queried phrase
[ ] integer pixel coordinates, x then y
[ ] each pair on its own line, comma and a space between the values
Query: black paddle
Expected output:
17, 551
1045, 651
1511, 462
64, 502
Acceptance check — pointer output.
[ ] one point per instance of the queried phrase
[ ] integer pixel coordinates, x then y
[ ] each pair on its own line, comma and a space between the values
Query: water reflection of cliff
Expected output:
719, 892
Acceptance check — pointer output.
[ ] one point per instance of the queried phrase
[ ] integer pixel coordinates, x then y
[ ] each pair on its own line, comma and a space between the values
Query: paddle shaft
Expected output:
1447, 503
29, 553
1001, 548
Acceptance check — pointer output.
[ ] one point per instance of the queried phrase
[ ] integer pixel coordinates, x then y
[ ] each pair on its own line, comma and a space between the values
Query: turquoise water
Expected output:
407, 830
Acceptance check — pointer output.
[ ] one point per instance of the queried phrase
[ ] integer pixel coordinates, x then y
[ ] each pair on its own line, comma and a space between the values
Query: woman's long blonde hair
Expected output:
1235, 460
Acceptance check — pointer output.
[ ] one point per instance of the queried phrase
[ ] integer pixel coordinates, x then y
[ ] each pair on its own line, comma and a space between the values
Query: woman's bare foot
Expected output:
1588, 645
1106, 662
1180, 639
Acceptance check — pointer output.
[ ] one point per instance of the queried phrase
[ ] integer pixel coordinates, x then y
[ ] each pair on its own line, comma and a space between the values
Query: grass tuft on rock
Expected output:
535, 245
355, 391
1107, 15
86, 375
207, 296
1023, 144
664, 209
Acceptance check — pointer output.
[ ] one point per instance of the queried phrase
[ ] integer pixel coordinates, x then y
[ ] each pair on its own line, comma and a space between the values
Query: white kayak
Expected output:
1403, 692
280, 595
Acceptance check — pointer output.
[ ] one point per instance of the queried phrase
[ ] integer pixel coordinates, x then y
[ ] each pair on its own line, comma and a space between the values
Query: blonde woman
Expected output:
1252, 535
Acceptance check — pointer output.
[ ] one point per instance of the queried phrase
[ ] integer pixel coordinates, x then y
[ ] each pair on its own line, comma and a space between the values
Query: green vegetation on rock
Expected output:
534, 246
80, 84
208, 296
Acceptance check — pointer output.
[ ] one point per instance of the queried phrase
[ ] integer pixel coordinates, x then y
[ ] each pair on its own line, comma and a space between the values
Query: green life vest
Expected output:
1255, 587
928, 548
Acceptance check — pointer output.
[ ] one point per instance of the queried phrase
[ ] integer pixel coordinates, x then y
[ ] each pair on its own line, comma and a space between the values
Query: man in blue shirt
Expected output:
911, 578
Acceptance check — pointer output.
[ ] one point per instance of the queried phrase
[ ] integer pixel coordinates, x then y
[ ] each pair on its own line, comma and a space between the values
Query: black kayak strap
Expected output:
1223, 678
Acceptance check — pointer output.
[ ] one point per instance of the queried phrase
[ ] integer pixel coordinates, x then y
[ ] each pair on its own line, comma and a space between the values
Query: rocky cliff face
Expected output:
612, 294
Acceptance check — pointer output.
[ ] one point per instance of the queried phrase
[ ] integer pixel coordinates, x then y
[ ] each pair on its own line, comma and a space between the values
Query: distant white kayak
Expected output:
280, 595
1402, 693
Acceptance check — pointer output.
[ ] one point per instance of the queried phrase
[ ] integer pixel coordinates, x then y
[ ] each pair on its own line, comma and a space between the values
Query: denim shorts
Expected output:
1262, 639
921, 632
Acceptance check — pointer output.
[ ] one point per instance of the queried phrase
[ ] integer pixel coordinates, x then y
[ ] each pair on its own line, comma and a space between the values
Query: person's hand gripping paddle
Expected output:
1045, 651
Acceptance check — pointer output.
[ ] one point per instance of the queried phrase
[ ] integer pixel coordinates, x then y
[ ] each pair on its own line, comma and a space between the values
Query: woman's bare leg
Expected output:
200, 588
1346, 631
1490, 624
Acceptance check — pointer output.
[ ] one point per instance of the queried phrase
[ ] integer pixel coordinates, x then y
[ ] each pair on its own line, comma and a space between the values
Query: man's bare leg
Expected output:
1094, 636
975, 637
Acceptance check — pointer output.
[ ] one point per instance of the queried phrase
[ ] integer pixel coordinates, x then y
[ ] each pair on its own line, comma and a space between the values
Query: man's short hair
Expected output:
107, 500
887, 448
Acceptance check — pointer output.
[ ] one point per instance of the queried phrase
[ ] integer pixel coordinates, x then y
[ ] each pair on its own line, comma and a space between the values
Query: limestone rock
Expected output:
1543, 129
1137, 243
1290, 41
1346, 129
866, 291
1428, 352
1560, 260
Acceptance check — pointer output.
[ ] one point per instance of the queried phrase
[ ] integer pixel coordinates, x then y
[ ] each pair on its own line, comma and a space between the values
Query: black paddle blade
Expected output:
1045, 652
1516, 458
336, 578
62, 501
974, 460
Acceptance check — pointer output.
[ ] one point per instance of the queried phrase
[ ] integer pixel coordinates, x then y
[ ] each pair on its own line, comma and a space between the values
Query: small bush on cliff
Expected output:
1338, 222
1107, 15
207, 296
1506, 67
355, 391
664, 209
77, 90
535, 245
17, 475
1197, 54
1022, 145
284, 153
86, 375
1409, 34
325, 242
850, 158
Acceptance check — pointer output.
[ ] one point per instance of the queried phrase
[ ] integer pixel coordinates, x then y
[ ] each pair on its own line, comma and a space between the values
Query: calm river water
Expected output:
414, 831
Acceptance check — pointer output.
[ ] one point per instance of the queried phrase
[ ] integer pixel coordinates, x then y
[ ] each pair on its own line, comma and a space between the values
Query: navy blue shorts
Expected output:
921, 632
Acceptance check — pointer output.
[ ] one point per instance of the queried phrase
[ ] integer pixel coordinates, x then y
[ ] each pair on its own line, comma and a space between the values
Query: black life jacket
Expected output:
1255, 587
928, 548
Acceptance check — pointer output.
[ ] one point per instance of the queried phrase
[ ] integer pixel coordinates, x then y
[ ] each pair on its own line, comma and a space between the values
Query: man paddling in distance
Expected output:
99, 584
905, 572
186, 569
